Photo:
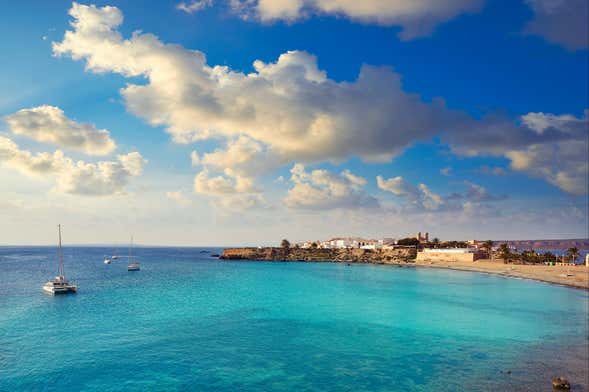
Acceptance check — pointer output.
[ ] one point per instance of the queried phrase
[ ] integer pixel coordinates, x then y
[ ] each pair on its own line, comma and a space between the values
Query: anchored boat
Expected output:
132, 265
60, 285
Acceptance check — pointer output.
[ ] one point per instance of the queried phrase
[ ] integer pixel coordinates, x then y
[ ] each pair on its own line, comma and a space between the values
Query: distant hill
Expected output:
582, 244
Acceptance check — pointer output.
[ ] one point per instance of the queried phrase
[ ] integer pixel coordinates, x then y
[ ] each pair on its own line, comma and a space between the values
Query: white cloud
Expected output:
446, 171
240, 203
82, 178
290, 110
419, 197
242, 155
479, 193
290, 106
562, 22
565, 163
221, 185
322, 190
194, 6
429, 199
48, 124
416, 17
194, 159
178, 197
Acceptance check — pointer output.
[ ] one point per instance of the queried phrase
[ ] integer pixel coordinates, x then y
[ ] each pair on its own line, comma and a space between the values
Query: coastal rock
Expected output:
373, 256
561, 384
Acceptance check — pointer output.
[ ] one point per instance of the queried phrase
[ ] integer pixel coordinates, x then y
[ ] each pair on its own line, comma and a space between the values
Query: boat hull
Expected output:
60, 290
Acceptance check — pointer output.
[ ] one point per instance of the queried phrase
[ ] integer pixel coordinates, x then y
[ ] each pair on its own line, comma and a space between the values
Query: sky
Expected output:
242, 122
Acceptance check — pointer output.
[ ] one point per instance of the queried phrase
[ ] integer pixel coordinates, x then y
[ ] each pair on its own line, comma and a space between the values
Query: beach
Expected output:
573, 276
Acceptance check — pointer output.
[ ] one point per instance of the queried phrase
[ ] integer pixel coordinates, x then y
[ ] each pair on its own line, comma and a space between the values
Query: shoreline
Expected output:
570, 276
519, 274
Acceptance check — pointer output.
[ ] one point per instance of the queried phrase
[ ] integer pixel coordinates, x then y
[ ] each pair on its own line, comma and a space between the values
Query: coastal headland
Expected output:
354, 255
573, 276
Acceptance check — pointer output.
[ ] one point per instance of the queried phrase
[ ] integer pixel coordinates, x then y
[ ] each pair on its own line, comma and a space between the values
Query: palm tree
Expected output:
436, 242
488, 246
573, 253
504, 252
285, 244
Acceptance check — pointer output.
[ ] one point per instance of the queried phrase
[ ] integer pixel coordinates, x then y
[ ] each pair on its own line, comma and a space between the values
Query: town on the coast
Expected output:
556, 261
433, 249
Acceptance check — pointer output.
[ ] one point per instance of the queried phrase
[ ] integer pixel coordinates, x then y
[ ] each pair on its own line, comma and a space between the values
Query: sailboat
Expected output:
60, 284
132, 265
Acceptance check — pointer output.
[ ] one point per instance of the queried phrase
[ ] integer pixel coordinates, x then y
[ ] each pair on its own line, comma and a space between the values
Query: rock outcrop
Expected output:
377, 256
561, 384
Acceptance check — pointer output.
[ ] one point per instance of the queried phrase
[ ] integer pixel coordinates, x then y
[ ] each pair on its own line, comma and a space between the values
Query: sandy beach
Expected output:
574, 276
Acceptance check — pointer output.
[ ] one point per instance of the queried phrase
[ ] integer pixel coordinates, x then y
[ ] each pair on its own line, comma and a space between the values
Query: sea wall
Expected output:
377, 256
443, 256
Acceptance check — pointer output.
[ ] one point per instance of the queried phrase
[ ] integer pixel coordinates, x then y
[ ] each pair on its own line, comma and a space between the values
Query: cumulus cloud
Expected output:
222, 184
564, 163
420, 196
322, 190
178, 197
244, 156
81, 178
478, 193
290, 105
240, 202
552, 147
194, 6
417, 17
48, 124
290, 110
562, 22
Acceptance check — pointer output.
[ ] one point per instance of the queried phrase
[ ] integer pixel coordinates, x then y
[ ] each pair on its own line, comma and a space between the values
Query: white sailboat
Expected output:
132, 264
60, 285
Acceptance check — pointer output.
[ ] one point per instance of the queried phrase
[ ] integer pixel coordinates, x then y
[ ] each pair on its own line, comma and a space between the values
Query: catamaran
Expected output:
60, 284
132, 264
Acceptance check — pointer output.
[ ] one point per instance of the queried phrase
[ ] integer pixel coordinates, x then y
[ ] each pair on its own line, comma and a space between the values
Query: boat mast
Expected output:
130, 250
60, 253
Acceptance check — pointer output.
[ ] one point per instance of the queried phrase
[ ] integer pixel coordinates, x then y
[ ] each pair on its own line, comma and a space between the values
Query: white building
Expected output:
350, 242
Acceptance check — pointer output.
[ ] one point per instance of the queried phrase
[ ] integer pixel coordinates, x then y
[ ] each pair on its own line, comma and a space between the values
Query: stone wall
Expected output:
378, 256
449, 257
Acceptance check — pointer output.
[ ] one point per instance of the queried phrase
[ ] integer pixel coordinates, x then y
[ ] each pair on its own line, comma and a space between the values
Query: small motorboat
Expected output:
106, 260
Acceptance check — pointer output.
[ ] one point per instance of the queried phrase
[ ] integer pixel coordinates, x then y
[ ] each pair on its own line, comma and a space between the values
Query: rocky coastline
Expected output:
372, 256
577, 276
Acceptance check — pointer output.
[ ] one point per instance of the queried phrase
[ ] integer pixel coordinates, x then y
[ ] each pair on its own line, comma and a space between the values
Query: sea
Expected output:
191, 322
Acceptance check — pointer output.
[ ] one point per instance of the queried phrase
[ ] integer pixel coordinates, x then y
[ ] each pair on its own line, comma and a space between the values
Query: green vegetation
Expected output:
285, 244
505, 253
573, 254
453, 244
527, 256
411, 241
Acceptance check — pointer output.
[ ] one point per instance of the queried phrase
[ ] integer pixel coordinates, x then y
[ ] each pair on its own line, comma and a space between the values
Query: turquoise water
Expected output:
190, 322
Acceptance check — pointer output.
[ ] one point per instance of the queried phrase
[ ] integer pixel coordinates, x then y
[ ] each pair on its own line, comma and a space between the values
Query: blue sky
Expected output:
504, 156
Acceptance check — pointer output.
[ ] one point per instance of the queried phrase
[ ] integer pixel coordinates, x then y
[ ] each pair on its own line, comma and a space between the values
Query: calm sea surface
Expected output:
187, 321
